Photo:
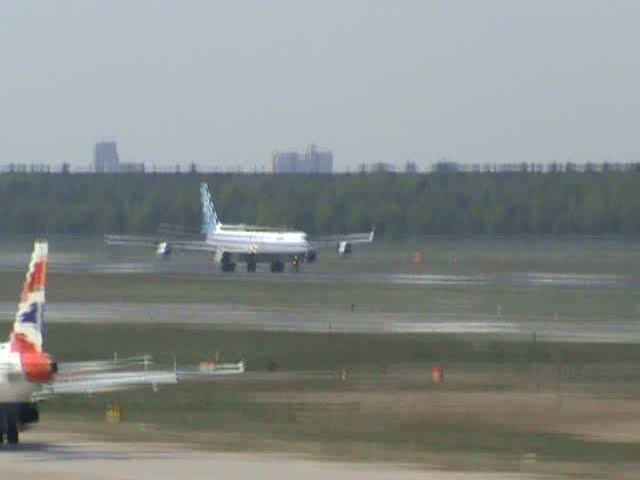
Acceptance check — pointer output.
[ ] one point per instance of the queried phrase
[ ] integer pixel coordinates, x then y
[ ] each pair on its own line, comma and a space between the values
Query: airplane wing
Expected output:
132, 240
178, 230
75, 368
330, 241
161, 246
166, 247
105, 382
106, 376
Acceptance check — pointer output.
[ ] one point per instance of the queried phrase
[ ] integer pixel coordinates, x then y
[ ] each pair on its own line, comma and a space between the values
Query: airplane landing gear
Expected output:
277, 266
226, 261
13, 435
229, 267
9, 425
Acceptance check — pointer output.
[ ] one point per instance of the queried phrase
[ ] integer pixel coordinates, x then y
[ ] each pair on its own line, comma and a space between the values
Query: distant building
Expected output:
313, 160
105, 157
106, 160
284, 162
316, 160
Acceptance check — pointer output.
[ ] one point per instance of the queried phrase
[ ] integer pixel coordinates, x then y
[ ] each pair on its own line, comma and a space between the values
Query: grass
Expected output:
311, 352
388, 409
508, 255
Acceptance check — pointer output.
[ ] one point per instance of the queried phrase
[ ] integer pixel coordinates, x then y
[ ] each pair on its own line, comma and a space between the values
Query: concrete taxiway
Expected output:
61, 456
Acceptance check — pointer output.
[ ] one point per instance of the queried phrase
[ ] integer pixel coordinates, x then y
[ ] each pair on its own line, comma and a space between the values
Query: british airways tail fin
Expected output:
209, 217
29, 322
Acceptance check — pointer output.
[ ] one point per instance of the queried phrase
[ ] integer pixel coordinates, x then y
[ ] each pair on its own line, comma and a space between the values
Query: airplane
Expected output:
28, 374
246, 243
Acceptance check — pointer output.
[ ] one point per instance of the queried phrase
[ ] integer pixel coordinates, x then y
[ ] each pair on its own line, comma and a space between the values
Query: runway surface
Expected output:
81, 263
57, 457
316, 319
238, 317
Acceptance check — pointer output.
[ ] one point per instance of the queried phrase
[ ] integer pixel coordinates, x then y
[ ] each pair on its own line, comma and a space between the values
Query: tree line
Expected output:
398, 205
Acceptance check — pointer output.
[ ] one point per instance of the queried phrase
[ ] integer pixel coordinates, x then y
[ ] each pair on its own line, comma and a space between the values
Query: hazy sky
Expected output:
225, 83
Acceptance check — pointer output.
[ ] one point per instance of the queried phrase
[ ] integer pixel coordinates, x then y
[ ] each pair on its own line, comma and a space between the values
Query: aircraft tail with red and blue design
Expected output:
29, 323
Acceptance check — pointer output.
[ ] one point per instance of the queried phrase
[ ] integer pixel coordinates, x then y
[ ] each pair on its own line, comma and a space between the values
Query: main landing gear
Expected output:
9, 429
277, 266
228, 267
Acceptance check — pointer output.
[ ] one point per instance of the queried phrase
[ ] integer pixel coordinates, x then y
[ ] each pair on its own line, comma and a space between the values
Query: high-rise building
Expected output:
314, 160
105, 157
284, 162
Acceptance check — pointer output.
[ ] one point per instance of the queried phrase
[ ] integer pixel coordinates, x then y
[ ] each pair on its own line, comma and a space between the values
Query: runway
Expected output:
323, 318
239, 317
83, 264
59, 456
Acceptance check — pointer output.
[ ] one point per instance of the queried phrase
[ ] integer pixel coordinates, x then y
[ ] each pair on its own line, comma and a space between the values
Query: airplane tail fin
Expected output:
29, 322
209, 217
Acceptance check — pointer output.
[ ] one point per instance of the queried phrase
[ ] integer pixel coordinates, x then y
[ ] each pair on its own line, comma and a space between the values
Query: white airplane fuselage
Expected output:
264, 243
19, 372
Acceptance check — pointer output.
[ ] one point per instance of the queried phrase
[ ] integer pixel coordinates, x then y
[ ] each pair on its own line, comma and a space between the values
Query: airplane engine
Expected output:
344, 248
163, 249
311, 256
38, 367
